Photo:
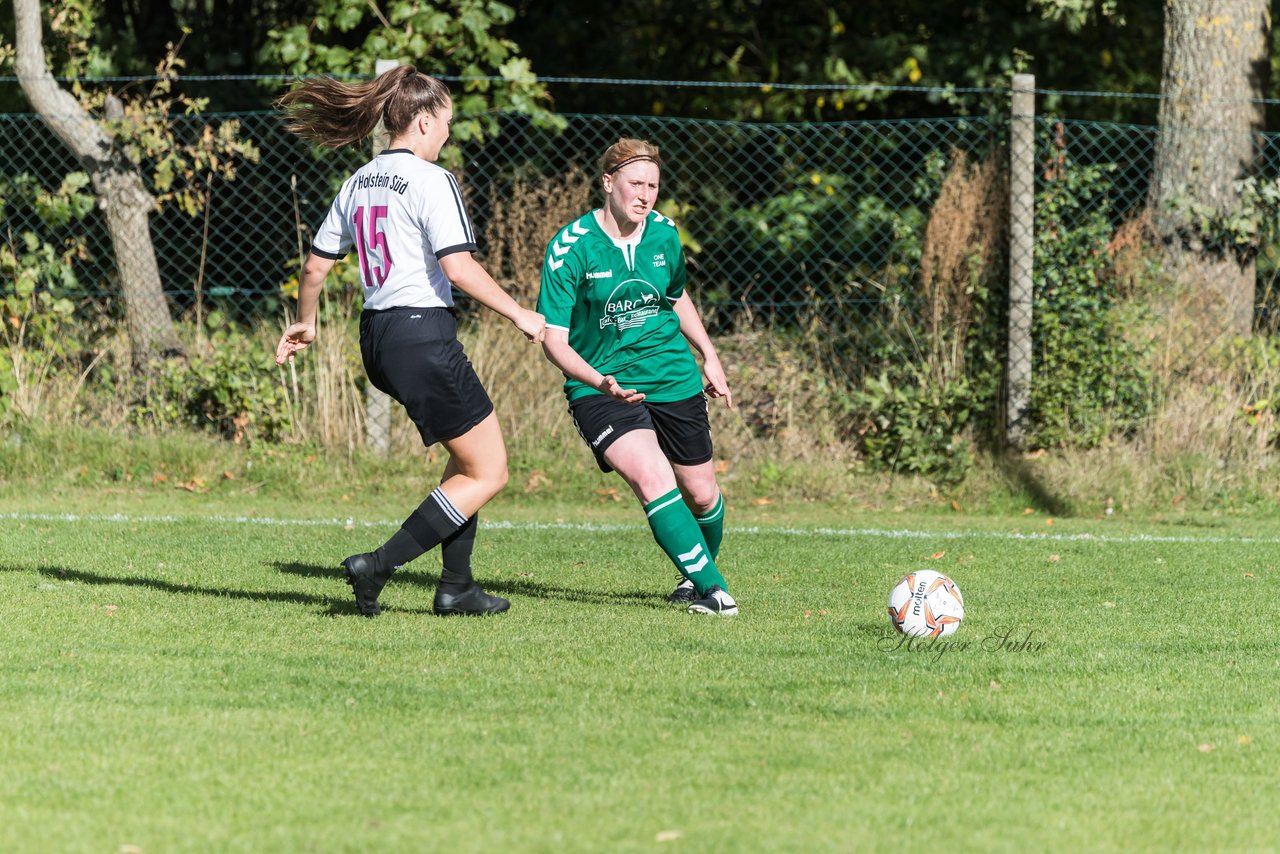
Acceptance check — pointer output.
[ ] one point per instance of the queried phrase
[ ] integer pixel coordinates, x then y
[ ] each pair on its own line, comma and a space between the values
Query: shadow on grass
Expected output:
328, 605
875, 631
1014, 467
503, 586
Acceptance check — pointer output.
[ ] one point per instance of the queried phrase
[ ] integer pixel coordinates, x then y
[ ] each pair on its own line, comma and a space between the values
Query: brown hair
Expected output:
333, 114
628, 150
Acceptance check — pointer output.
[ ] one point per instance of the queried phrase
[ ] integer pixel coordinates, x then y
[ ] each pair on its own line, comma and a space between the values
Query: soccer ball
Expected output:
926, 603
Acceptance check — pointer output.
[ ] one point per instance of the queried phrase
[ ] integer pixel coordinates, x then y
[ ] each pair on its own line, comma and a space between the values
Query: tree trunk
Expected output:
1215, 64
121, 193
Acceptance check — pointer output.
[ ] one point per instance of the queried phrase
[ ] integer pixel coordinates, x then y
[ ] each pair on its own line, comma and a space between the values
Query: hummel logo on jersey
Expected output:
607, 274
569, 237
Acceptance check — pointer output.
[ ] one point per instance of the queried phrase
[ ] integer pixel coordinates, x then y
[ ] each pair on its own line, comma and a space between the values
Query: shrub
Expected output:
229, 387
1089, 382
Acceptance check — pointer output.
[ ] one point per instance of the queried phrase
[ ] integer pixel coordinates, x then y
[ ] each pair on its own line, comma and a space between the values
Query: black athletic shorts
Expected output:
684, 433
413, 354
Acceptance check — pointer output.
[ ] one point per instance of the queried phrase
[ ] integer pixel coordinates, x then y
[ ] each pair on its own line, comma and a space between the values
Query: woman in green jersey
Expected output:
620, 327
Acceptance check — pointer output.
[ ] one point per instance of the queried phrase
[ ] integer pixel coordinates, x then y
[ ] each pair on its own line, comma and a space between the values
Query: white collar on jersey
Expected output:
621, 242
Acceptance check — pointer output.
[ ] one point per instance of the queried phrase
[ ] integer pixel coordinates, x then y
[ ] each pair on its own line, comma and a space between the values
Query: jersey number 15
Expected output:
371, 238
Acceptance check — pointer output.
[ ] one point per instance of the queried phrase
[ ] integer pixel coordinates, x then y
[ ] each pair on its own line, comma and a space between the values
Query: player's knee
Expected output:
701, 497
651, 481
499, 477
704, 502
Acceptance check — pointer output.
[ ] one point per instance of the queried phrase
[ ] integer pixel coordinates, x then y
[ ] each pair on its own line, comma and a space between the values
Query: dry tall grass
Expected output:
523, 218
962, 251
324, 386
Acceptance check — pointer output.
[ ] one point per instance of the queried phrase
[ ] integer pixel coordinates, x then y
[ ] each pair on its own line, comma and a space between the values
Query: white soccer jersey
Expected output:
402, 214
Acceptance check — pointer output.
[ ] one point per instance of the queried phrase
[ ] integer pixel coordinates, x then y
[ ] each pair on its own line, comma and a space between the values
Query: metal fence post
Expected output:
377, 404
1022, 176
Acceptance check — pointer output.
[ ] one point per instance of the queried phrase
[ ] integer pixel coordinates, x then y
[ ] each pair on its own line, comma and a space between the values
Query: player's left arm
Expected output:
696, 334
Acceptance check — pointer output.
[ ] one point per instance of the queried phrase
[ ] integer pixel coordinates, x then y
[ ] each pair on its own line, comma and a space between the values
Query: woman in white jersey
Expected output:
404, 217
619, 327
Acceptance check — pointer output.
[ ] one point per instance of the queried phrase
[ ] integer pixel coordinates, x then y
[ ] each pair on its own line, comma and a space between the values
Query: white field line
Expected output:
886, 533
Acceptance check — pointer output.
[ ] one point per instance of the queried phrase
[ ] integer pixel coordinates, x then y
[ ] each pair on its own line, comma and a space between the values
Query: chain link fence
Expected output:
905, 250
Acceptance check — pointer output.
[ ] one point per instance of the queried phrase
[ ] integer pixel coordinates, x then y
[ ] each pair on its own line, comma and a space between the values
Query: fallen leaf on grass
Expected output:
1205, 748
937, 555
537, 480
668, 836
994, 686
761, 502
1243, 740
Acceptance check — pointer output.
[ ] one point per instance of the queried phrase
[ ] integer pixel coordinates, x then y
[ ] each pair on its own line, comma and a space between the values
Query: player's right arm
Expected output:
303, 331
560, 353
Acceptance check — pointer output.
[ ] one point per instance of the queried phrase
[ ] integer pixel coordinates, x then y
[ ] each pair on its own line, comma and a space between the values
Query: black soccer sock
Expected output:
435, 519
455, 554
394, 553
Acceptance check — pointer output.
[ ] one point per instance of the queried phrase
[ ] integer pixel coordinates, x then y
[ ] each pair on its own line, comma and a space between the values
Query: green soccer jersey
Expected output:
615, 298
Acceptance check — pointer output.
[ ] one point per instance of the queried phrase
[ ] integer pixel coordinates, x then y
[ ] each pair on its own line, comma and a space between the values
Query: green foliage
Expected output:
230, 389
443, 38
1076, 14
808, 224
930, 381
916, 423
1090, 380
849, 52
180, 170
1239, 229
69, 203
37, 283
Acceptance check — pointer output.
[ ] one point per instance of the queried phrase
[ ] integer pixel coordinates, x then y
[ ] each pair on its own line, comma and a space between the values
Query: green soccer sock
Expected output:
712, 525
677, 533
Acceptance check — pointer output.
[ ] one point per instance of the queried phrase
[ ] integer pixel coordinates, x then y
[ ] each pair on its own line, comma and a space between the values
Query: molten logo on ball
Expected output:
926, 603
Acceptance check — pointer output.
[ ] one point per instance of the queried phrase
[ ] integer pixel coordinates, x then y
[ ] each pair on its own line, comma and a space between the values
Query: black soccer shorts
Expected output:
684, 432
413, 354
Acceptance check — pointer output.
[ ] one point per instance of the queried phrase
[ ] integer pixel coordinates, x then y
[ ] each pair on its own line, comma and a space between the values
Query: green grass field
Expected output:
200, 682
